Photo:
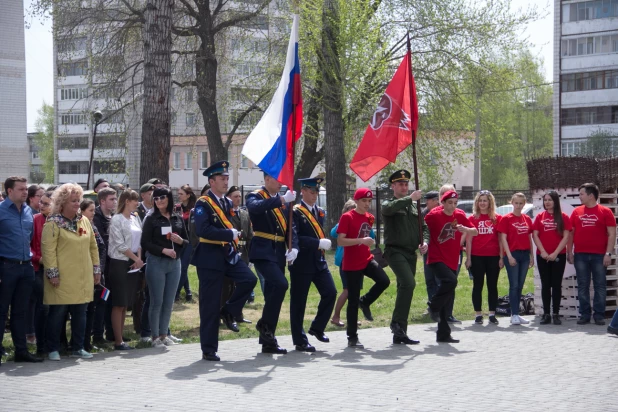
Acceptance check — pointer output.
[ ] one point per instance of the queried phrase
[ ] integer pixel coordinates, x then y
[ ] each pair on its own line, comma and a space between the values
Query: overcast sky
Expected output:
39, 55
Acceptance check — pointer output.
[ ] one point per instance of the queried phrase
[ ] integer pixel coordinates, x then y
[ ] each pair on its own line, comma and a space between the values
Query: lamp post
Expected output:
97, 116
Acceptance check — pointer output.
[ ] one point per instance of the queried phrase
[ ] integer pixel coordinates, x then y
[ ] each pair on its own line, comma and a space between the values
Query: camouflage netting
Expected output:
567, 172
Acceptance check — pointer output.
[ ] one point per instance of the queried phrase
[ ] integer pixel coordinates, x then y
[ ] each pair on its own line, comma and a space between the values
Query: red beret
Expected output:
363, 193
451, 194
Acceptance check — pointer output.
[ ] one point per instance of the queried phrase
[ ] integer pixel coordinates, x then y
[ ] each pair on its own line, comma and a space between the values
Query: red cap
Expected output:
451, 194
363, 193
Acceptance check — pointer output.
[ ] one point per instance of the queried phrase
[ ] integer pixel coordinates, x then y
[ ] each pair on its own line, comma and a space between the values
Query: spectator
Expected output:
16, 271
1, 197
594, 238
342, 299
100, 184
95, 311
515, 231
35, 192
484, 254
125, 233
108, 199
38, 311
551, 230
187, 203
158, 183
71, 261
163, 237
145, 206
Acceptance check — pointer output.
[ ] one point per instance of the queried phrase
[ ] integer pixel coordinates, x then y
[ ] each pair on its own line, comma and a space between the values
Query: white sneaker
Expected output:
523, 321
515, 320
158, 343
174, 339
168, 342
145, 339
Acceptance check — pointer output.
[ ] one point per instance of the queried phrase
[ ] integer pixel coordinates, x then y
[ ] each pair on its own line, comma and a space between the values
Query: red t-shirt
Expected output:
590, 228
517, 230
444, 240
486, 243
548, 233
355, 226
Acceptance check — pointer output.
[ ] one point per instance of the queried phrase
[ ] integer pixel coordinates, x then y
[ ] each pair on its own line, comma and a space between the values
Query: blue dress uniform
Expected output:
310, 266
268, 247
216, 256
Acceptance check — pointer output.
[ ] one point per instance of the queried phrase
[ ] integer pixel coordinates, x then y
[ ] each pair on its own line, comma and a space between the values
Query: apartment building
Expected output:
585, 73
36, 174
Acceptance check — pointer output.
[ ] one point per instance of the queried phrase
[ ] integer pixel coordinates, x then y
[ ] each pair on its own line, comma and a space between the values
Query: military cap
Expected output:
432, 195
311, 182
219, 168
400, 176
146, 187
232, 190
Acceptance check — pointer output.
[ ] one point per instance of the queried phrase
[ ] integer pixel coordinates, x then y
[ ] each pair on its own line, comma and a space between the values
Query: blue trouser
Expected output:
211, 283
299, 289
185, 259
275, 286
517, 277
261, 279
589, 265
614, 322
145, 321
162, 274
16, 285
57, 318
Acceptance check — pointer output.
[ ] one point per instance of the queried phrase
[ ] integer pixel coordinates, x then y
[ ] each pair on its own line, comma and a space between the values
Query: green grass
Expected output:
185, 317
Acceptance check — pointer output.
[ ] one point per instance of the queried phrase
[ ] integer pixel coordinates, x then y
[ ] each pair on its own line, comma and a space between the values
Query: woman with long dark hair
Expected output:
164, 237
35, 193
187, 203
551, 230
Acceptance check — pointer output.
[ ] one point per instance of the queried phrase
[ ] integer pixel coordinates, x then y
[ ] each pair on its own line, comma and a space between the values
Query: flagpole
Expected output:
295, 100
416, 182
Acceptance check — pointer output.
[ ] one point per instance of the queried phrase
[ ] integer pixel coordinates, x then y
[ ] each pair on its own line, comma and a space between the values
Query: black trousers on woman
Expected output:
551, 282
481, 266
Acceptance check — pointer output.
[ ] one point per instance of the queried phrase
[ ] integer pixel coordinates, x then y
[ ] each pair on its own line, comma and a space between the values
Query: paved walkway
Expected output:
505, 368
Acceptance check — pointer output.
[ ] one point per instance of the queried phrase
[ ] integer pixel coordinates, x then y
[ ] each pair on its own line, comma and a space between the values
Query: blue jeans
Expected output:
587, 264
517, 277
162, 275
185, 259
15, 290
614, 322
145, 321
56, 319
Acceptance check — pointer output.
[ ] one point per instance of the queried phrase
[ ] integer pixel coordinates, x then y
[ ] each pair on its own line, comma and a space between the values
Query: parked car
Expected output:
466, 206
527, 210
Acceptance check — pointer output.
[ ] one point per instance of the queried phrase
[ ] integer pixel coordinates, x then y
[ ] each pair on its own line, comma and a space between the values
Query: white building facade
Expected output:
585, 72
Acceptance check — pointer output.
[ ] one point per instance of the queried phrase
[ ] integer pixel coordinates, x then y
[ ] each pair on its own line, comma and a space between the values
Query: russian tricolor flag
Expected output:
270, 143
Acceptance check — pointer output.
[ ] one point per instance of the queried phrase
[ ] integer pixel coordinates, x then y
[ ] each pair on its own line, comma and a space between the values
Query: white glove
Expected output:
325, 244
290, 255
289, 196
235, 233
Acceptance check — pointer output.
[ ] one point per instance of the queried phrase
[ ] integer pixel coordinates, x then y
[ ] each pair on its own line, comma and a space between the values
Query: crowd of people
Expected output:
65, 257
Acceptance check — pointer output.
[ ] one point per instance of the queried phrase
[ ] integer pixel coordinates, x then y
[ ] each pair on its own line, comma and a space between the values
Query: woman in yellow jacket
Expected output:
71, 261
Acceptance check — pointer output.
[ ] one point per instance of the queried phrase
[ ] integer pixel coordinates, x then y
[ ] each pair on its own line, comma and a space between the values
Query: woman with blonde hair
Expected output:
124, 251
515, 230
484, 254
71, 262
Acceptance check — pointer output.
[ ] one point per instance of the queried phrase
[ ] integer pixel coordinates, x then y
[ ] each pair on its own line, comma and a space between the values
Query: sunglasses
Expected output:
484, 192
159, 198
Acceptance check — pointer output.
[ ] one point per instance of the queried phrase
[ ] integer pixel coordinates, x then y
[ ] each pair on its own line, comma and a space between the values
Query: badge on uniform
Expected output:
199, 210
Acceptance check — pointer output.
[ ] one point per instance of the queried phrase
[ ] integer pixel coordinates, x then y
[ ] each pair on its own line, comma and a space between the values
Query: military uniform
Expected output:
268, 248
401, 237
310, 267
217, 256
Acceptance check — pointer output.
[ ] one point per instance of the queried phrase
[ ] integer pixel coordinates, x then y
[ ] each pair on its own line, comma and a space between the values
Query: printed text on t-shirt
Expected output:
588, 220
486, 227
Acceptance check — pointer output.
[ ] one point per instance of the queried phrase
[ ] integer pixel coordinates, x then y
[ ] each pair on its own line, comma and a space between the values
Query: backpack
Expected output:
526, 305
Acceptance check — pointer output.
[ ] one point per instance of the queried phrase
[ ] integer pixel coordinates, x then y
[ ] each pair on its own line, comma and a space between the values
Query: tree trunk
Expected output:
333, 114
156, 142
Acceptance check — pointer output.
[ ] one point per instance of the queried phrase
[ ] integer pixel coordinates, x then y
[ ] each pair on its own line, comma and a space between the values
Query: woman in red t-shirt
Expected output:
354, 236
484, 254
551, 231
515, 229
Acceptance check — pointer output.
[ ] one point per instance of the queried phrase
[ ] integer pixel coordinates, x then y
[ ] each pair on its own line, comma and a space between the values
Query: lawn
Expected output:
185, 317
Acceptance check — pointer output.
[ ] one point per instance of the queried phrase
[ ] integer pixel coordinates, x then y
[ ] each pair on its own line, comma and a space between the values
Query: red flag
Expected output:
392, 127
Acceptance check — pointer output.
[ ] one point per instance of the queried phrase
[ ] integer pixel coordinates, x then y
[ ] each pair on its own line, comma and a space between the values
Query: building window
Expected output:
248, 122
110, 141
72, 142
72, 45
203, 160
259, 22
577, 82
188, 161
79, 68
589, 10
73, 93
247, 69
72, 119
589, 115
108, 166
582, 46
244, 162
190, 94
190, 119
176, 164
72, 168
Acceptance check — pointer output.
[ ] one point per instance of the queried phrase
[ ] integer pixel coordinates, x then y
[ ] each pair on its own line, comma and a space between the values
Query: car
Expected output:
466, 206
527, 210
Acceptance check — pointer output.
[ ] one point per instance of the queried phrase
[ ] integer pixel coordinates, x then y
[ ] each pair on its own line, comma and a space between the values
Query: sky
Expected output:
39, 53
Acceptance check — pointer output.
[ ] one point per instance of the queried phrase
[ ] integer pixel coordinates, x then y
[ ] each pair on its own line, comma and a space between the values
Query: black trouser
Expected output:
551, 282
443, 296
355, 281
40, 310
481, 266
95, 313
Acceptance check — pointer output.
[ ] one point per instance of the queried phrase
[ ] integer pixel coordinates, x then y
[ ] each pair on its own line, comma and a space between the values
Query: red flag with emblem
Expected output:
392, 127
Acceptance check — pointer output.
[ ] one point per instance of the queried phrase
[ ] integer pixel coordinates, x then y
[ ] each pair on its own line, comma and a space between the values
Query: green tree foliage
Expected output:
600, 143
44, 139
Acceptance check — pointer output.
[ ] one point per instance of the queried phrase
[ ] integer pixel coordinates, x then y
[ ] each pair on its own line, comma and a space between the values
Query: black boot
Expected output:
557, 320
546, 320
400, 336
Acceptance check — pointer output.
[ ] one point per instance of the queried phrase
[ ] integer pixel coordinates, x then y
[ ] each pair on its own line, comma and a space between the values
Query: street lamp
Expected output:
97, 116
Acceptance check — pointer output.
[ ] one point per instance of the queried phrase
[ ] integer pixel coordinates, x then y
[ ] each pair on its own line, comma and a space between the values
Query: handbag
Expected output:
378, 256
